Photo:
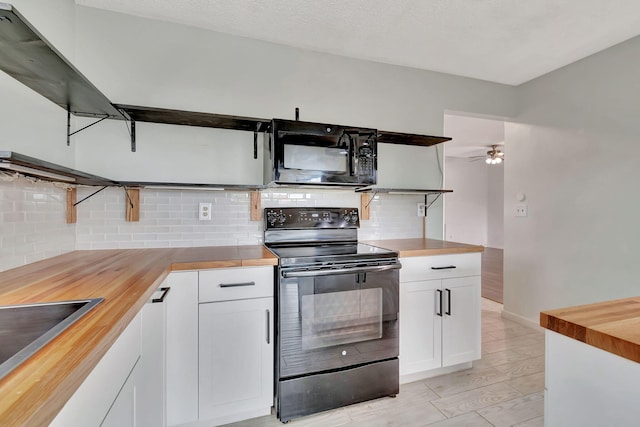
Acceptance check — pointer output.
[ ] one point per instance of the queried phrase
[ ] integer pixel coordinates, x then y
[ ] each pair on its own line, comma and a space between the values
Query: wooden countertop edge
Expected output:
440, 251
592, 336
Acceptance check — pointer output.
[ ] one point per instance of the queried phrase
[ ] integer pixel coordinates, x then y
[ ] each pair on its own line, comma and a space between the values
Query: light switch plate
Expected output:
521, 210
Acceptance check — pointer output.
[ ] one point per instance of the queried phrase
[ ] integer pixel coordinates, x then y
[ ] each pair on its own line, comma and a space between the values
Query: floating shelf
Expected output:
29, 58
410, 138
189, 118
30, 166
191, 186
400, 190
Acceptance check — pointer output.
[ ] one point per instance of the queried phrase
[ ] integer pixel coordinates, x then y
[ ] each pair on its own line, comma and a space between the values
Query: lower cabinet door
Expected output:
420, 326
461, 321
236, 359
123, 411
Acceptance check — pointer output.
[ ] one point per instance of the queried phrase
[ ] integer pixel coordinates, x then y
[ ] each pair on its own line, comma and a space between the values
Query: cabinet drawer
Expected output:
225, 284
439, 266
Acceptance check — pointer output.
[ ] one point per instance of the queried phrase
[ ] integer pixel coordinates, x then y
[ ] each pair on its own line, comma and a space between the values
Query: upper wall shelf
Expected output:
400, 190
15, 162
27, 56
410, 139
189, 118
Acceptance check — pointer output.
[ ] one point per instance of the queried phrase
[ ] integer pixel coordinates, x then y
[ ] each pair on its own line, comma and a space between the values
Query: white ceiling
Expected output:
504, 41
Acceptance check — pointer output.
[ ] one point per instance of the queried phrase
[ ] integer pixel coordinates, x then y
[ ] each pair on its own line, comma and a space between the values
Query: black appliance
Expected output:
336, 310
299, 152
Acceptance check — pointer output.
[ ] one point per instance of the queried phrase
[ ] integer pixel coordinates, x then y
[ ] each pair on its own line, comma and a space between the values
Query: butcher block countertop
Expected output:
423, 247
613, 326
33, 393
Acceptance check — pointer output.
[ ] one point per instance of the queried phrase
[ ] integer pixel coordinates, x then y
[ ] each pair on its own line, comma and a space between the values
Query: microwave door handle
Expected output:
351, 155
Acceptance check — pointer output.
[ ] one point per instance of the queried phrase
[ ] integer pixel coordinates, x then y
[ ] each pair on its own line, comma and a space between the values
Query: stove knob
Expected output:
346, 217
354, 218
282, 218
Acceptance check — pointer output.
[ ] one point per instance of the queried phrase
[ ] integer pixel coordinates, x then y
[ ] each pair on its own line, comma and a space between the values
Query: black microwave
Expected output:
299, 152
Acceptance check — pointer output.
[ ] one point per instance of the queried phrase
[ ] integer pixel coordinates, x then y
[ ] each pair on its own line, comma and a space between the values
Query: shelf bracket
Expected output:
133, 135
89, 196
70, 134
255, 140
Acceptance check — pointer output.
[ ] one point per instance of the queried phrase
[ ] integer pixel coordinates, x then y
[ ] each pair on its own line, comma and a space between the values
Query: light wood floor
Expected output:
504, 388
492, 274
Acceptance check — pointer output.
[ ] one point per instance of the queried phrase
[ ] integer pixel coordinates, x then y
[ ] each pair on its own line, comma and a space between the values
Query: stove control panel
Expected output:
300, 218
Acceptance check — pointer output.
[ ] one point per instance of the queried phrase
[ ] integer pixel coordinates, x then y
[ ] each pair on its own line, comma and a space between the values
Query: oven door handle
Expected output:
333, 271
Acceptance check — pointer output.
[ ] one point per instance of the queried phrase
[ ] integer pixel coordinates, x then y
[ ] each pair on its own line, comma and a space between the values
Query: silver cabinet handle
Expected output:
165, 292
446, 267
236, 285
268, 326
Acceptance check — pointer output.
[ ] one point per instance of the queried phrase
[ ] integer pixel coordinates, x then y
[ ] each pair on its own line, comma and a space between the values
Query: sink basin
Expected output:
26, 328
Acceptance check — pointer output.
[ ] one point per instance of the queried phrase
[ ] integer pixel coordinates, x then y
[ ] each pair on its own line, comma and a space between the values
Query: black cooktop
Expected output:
325, 253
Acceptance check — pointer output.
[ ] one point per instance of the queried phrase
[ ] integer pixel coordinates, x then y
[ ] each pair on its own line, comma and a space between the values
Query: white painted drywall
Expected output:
495, 206
578, 162
31, 124
466, 208
159, 64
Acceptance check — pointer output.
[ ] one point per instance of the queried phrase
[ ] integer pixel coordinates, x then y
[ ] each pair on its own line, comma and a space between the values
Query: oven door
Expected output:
332, 320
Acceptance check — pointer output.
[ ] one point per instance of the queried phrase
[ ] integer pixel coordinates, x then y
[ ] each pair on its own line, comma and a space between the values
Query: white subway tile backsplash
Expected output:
32, 222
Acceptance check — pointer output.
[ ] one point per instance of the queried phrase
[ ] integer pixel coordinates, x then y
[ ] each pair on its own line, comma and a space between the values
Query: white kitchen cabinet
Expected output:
151, 368
123, 411
100, 391
235, 344
439, 314
182, 348
587, 386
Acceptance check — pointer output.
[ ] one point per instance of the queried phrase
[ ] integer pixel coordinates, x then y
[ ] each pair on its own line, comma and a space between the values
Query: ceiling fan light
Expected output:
488, 161
498, 160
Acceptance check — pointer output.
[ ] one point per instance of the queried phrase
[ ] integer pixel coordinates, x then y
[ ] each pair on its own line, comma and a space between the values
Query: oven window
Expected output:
341, 317
306, 157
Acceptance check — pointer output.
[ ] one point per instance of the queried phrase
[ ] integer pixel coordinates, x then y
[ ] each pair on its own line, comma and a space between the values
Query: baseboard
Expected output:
417, 376
525, 321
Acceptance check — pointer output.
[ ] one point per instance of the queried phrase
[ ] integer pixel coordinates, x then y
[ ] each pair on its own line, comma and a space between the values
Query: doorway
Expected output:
474, 212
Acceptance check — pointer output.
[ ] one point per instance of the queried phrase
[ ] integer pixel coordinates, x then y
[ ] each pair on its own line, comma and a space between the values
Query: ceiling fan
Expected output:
494, 156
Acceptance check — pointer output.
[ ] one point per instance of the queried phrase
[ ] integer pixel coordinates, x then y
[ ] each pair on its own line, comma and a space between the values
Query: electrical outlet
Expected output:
420, 209
204, 212
521, 210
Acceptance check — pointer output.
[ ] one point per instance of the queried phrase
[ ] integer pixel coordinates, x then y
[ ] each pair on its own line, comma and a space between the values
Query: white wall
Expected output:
31, 124
466, 208
152, 63
474, 211
495, 206
577, 162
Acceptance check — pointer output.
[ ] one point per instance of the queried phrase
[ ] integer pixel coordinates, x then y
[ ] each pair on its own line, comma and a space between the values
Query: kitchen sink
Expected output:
26, 328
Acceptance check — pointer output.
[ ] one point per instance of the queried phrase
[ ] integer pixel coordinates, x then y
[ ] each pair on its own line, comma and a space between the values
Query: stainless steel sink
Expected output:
26, 328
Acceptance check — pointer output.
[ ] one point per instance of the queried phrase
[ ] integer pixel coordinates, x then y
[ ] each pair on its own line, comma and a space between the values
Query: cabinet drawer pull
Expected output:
236, 285
165, 292
447, 267
448, 312
439, 310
